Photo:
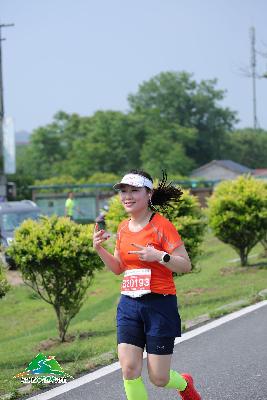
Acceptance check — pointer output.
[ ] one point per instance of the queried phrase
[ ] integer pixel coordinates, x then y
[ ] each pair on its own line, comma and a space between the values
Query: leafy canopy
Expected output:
176, 98
4, 285
238, 214
57, 260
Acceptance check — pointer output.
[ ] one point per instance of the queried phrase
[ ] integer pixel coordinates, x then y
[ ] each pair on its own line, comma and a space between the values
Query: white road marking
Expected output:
116, 366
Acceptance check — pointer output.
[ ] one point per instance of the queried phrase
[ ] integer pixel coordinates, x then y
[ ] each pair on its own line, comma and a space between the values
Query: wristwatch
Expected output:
165, 258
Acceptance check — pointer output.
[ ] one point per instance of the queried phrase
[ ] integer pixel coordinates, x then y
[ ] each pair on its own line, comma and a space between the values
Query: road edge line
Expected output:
92, 376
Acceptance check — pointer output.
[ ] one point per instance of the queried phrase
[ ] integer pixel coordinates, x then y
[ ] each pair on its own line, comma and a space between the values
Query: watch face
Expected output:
166, 257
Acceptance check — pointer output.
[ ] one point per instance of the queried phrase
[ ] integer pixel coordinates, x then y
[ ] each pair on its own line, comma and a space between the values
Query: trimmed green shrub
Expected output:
4, 286
264, 239
116, 213
189, 220
103, 177
238, 214
57, 260
98, 177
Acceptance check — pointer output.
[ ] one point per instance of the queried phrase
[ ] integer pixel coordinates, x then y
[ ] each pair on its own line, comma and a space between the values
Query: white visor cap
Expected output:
134, 180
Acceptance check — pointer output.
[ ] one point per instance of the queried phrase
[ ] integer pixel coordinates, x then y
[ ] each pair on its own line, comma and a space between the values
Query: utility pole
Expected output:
253, 75
2, 175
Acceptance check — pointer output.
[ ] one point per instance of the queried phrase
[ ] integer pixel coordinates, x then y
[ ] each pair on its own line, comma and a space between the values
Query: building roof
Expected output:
260, 172
228, 164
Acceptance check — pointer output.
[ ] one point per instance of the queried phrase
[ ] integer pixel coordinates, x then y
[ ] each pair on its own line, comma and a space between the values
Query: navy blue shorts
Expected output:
150, 321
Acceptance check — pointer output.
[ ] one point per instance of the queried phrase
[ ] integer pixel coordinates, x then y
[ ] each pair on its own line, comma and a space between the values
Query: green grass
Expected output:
26, 322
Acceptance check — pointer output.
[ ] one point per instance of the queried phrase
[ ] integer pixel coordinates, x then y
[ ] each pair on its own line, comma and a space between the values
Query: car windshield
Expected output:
11, 221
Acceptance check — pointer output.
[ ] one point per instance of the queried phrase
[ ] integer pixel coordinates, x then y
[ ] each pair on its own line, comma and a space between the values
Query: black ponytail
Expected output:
164, 194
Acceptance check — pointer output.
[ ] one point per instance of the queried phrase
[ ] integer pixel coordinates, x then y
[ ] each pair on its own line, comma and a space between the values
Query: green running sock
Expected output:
176, 381
135, 389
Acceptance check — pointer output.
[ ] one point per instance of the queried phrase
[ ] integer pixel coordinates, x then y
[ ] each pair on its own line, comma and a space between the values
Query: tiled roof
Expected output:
260, 171
228, 164
233, 166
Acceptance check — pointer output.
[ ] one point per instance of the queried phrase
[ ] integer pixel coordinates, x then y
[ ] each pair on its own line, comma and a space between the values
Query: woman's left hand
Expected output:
146, 253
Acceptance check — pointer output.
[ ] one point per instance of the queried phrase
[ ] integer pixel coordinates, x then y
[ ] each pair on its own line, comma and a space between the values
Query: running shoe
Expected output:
190, 392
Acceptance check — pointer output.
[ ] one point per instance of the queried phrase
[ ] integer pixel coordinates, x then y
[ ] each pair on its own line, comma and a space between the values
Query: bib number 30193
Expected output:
136, 282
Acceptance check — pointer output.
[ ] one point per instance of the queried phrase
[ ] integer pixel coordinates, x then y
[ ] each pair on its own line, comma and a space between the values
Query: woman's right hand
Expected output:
99, 237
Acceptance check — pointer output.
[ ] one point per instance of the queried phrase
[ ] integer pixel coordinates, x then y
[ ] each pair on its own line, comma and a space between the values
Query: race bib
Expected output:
136, 282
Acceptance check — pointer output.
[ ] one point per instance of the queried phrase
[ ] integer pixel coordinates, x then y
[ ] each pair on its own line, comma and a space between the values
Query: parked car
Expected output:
12, 214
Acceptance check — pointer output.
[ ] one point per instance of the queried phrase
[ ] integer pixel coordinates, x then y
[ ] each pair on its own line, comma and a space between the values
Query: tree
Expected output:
248, 147
102, 177
238, 214
24, 176
116, 213
51, 145
174, 123
57, 260
111, 145
177, 99
189, 220
165, 150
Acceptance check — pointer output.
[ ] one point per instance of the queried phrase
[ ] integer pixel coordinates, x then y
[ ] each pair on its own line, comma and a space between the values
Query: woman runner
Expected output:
148, 251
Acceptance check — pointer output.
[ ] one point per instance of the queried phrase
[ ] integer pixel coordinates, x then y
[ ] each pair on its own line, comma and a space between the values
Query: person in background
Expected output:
148, 250
69, 206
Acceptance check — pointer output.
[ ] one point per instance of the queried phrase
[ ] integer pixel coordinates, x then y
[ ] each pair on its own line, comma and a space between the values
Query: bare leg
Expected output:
159, 368
131, 360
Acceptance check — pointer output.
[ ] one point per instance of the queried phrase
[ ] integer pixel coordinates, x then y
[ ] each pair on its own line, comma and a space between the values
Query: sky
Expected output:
81, 56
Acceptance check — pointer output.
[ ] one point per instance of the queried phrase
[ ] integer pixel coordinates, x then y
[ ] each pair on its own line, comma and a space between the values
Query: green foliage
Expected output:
174, 123
57, 180
248, 147
165, 149
186, 216
189, 220
116, 213
238, 214
97, 177
103, 177
178, 99
24, 176
4, 286
112, 144
51, 145
56, 258
54, 181
264, 238
21, 332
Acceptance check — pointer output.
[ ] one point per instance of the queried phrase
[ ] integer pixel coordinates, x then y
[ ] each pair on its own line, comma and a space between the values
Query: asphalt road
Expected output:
228, 362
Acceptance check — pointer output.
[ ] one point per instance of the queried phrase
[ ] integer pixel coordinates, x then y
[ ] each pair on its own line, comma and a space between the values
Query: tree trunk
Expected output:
62, 323
62, 329
244, 257
264, 244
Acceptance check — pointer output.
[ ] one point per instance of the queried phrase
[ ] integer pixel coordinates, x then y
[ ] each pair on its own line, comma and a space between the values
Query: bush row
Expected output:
57, 259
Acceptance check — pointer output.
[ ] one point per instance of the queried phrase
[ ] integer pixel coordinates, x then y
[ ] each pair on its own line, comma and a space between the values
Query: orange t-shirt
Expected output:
161, 234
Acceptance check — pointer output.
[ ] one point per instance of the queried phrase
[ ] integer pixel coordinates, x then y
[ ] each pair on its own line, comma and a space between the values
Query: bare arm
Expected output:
112, 262
179, 261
